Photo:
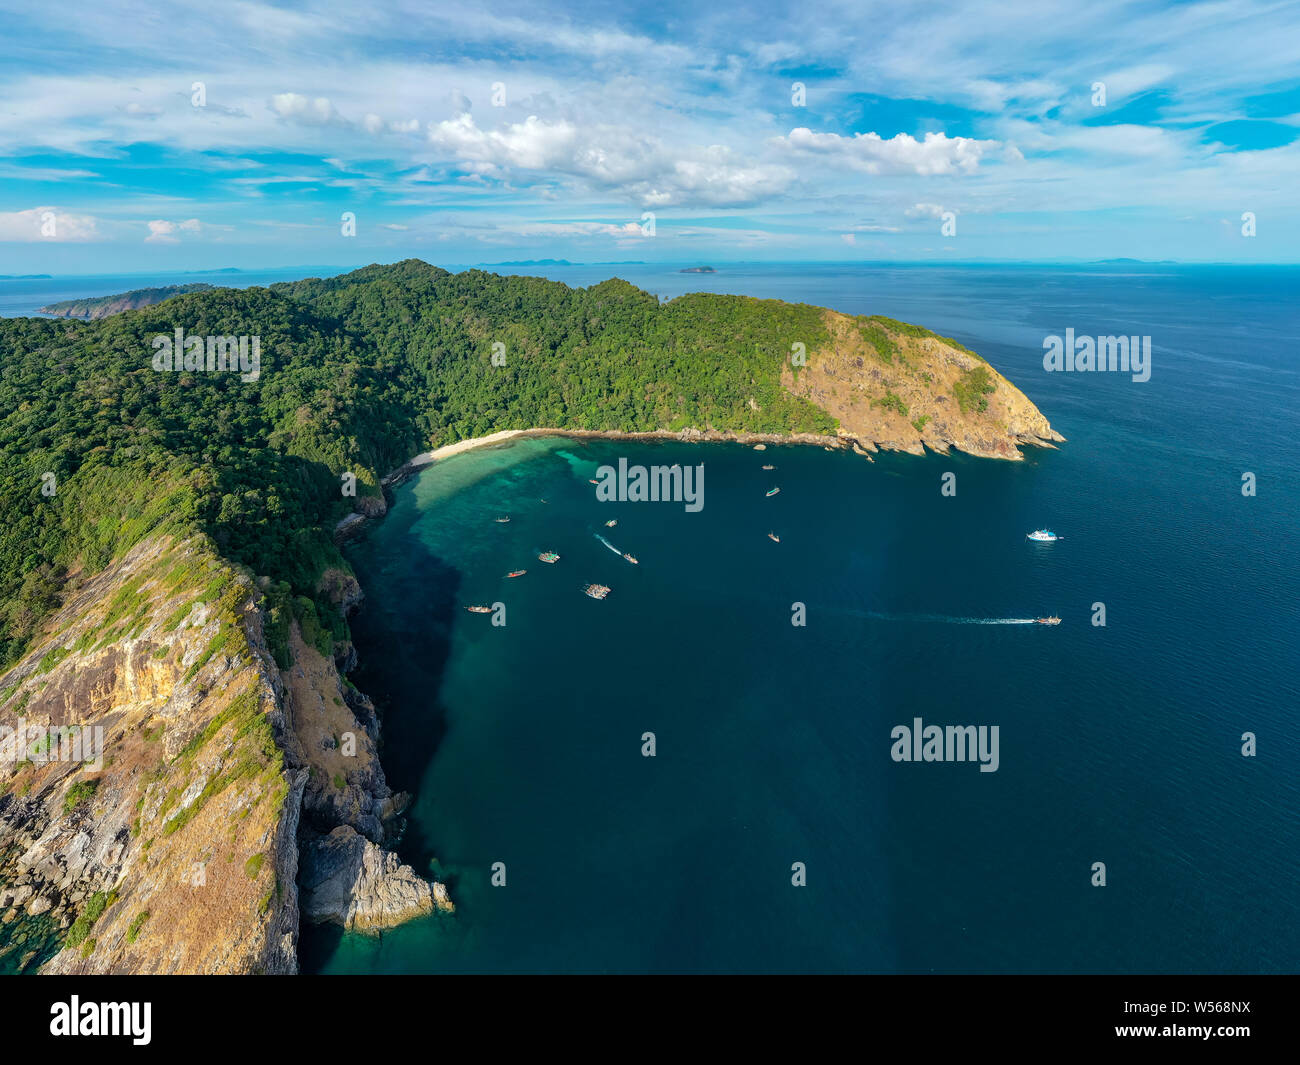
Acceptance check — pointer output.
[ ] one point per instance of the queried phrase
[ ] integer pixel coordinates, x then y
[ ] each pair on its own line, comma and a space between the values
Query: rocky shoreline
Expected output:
233, 799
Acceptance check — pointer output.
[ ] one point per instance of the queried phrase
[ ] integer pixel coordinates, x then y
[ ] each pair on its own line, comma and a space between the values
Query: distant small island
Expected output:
698, 270
92, 308
26, 277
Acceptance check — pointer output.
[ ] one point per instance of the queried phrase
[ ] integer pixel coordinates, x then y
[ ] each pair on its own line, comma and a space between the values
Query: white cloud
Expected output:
530, 145
46, 223
577, 229
163, 232
640, 166
902, 154
294, 107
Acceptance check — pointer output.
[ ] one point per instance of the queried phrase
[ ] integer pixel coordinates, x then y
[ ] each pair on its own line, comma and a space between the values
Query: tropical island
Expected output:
169, 569
697, 270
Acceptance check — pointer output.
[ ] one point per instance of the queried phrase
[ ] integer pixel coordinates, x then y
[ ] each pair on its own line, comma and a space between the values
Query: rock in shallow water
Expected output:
347, 880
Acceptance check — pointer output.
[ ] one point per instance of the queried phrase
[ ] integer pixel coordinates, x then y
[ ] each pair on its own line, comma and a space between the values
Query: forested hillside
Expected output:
357, 374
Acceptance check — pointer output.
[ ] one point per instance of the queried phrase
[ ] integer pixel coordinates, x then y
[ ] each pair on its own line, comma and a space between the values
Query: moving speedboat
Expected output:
773, 491
1053, 620
479, 609
773, 537
630, 558
1042, 536
611, 523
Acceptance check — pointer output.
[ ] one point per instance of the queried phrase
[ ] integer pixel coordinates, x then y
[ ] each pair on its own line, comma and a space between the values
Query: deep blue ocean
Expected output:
1119, 744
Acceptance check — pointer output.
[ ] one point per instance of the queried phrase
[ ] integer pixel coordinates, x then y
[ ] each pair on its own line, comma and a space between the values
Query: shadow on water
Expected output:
402, 650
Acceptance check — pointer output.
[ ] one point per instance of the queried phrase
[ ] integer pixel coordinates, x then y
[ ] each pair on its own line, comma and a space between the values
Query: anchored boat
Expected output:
596, 591
611, 523
769, 467
502, 521
548, 556
479, 609
516, 573
1042, 536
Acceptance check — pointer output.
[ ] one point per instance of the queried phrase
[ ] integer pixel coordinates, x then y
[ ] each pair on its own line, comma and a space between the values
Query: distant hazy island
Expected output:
535, 262
102, 306
698, 270
180, 585
26, 277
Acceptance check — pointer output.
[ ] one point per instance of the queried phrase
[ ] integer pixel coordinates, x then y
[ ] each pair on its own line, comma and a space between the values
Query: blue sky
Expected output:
147, 137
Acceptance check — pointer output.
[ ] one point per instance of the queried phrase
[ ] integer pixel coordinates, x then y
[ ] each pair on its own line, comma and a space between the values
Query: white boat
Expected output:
1042, 536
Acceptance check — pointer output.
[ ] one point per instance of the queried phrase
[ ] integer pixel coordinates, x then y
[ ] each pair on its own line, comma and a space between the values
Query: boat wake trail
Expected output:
941, 619
608, 544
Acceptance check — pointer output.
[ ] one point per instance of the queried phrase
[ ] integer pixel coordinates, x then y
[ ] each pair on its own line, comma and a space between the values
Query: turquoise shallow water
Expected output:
1120, 744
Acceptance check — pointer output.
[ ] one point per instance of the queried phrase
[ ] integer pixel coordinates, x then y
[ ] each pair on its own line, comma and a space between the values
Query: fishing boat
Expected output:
630, 559
611, 523
1042, 536
1053, 620
760, 447
773, 491
479, 609
596, 591
502, 521
774, 538
548, 556
516, 573
769, 467
592, 480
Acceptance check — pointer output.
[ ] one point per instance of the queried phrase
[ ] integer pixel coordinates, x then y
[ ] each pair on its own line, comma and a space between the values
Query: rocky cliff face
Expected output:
153, 805
171, 847
900, 388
